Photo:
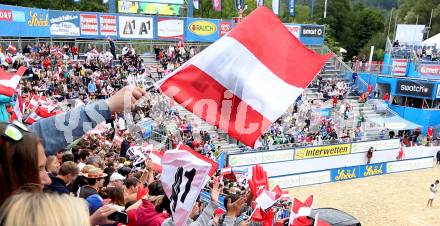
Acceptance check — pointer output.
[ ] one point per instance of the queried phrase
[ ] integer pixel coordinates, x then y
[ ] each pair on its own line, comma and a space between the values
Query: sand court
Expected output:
397, 199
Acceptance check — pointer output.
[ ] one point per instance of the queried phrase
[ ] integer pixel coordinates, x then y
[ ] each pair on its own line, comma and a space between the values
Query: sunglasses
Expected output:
13, 130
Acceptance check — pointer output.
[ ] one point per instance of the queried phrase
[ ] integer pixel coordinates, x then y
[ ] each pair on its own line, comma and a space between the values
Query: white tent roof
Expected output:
434, 40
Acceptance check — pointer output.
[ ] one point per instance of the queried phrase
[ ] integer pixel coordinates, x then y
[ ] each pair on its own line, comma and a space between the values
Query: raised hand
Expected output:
259, 180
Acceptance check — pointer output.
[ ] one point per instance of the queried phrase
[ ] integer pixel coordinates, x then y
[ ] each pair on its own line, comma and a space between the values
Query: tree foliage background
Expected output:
354, 25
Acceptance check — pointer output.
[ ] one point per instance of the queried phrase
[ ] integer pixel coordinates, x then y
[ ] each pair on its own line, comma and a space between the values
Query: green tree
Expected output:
68, 5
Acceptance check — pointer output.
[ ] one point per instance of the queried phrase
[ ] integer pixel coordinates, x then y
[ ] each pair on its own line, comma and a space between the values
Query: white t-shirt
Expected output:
121, 123
81, 165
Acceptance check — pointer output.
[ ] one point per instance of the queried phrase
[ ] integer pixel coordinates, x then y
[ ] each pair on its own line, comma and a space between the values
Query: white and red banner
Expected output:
9, 81
399, 67
108, 25
88, 24
430, 70
217, 5
184, 174
294, 29
246, 80
170, 28
225, 27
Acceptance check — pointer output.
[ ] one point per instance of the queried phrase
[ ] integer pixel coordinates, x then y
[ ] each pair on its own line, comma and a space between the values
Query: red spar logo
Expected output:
225, 27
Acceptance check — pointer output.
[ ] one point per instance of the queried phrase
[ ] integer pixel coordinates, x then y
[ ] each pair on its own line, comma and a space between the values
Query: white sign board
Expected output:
136, 27
291, 181
260, 157
409, 33
377, 145
400, 166
170, 28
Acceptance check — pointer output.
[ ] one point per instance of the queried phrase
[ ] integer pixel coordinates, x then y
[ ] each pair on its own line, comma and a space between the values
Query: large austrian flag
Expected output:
184, 173
247, 79
9, 82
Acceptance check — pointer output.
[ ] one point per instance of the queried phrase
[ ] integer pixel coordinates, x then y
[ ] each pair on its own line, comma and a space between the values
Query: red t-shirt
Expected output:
370, 88
430, 131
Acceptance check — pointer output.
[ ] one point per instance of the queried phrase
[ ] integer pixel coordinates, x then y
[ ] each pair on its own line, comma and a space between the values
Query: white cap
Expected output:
116, 176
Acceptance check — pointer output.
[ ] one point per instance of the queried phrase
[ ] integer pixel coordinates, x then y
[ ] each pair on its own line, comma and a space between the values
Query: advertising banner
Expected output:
372, 170
294, 29
291, 181
414, 88
346, 173
170, 28
108, 25
24, 22
284, 181
159, 9
322, 151
89, 24
398, 67
377, 145
202, 30
245, 159
177, 2
430, 70
225, 27
64, 23
260, 157
314, 178
393, 167
277, 156
312, 31
128, 7
136, 27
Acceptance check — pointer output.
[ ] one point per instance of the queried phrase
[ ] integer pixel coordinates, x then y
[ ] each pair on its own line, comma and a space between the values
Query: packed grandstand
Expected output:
96, 119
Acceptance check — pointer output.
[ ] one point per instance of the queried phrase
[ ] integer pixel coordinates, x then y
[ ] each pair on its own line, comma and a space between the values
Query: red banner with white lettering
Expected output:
430, 70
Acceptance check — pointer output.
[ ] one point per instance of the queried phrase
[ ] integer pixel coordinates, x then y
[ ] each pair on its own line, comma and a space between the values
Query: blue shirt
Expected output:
91, 87
60, 130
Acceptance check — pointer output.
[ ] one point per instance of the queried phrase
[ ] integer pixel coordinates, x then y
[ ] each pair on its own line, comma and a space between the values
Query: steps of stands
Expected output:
201, 125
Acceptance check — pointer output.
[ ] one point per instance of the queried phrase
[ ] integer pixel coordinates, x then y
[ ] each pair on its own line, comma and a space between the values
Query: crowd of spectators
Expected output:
97, 167
305, 125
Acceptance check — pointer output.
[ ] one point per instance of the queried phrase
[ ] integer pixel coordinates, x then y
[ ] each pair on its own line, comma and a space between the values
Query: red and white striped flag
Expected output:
156, 158
19, 107
268, 198
117, 139
41, 101
300, 209
40, 107
94, 52
184, 174
9, 82
32, 118
53, 50
12, 49
247, 79
33, 103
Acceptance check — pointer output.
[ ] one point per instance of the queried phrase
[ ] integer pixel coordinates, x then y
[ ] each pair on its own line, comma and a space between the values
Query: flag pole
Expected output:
325, 9
429, 27
389, 23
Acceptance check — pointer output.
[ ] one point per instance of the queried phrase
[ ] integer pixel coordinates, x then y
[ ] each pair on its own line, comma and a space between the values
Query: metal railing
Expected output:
84, 45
